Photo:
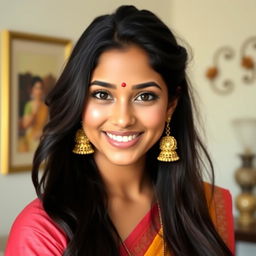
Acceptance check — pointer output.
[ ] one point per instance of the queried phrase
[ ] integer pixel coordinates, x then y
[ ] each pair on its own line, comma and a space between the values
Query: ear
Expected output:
171, 108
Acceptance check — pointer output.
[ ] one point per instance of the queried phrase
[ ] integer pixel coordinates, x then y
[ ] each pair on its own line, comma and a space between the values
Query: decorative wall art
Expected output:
30, 65
221, 80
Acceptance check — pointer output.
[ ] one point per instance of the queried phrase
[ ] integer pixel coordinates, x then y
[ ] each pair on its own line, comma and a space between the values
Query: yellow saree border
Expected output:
143, 234
220, 209
157, 246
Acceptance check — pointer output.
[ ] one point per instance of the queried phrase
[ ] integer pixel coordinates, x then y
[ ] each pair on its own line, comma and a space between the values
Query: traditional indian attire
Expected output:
30, 141
34, 233
147, 240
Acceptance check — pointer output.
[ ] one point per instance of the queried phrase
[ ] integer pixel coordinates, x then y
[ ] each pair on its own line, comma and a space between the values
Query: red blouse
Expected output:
34, 233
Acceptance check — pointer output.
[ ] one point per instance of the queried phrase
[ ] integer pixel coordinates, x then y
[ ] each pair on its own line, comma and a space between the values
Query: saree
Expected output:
146, 239
30, 140
35, 233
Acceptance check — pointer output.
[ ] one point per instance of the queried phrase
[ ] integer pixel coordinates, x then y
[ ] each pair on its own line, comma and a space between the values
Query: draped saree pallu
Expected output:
35, 233
146, 238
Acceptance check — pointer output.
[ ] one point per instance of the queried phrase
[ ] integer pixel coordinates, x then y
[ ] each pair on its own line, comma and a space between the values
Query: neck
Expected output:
124, 181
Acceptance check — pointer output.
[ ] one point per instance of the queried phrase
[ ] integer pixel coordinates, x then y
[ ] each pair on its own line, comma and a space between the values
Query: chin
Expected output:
124, 160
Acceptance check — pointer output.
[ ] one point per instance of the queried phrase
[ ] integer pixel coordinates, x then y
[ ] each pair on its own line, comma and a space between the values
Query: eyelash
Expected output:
94, 94
152, 95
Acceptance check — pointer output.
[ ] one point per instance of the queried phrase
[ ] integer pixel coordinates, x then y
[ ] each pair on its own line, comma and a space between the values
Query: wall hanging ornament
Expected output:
222, 86
218, 75
248, 56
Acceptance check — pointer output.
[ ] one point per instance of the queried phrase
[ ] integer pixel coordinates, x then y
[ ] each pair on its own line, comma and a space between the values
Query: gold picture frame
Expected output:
24, 57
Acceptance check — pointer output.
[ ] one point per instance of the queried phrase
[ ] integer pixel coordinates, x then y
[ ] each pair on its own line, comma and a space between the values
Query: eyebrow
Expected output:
137, 86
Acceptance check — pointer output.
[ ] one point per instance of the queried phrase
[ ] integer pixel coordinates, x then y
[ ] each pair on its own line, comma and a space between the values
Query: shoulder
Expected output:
34, 231
220, 207
214, 193
28, 103
27, 107
218, 198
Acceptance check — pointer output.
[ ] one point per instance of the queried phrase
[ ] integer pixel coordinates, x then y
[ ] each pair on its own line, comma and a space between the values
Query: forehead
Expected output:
38, 84
130, 65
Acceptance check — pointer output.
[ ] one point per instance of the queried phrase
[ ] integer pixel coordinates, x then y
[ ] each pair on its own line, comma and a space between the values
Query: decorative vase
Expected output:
246, 201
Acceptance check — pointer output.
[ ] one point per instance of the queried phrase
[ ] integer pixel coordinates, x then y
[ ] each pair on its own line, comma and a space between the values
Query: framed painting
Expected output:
30, 66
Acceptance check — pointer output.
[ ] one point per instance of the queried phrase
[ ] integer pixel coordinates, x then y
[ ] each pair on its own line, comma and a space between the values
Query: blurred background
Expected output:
207, 26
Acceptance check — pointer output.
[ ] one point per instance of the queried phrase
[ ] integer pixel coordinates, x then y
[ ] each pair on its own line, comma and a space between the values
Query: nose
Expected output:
123, 114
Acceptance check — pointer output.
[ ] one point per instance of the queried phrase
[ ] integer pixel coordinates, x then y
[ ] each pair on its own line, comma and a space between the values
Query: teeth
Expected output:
121, 138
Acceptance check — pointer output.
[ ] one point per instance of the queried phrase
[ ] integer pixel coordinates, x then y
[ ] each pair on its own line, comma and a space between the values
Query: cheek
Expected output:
93, 115
153, 118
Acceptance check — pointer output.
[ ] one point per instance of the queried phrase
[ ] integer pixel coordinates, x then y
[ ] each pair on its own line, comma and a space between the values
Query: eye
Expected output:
146, 96
101, 95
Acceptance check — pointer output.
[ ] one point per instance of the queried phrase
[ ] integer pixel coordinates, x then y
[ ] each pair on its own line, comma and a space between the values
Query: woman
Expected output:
117, 193
35, 115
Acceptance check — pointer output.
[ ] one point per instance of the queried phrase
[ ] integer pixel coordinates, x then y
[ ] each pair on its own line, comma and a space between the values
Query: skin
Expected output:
126, 109
37, 91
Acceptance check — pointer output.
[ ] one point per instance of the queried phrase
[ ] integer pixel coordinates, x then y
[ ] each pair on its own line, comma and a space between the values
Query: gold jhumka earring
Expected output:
83, 145
168, 146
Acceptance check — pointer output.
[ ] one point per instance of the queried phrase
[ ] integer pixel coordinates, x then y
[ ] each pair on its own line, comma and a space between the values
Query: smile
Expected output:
123, 140
120, 138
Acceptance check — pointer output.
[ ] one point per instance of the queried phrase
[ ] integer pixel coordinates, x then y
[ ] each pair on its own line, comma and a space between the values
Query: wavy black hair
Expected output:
71, 188
35, 80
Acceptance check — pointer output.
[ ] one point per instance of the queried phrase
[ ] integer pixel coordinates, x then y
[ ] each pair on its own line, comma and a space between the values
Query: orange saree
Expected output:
146, 239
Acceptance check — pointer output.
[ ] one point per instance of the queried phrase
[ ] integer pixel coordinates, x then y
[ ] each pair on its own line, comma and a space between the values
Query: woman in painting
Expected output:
35, 115
107, 189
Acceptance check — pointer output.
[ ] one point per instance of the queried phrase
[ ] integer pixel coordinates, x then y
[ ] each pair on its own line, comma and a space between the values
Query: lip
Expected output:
122, 145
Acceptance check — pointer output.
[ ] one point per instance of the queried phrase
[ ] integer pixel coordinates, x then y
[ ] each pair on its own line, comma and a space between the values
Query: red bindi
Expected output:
123, 84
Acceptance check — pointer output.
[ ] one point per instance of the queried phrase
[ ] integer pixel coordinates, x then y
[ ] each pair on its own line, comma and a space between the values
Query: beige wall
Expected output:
208, 25
205, 24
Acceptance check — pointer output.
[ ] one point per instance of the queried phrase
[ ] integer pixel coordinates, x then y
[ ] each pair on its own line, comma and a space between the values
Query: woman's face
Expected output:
37, 90
127, 106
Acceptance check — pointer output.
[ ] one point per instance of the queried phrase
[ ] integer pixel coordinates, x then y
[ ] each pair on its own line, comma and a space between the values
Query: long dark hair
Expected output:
71, 188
